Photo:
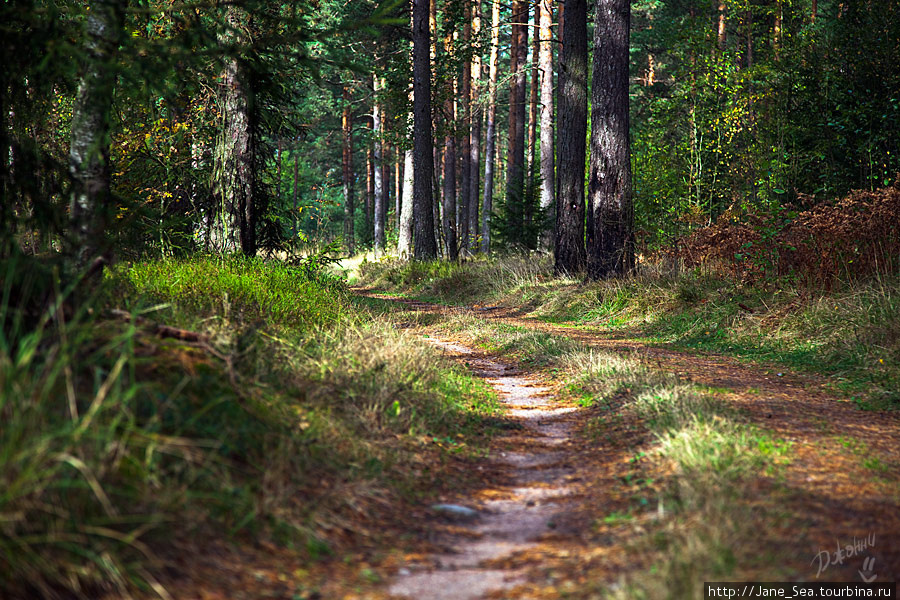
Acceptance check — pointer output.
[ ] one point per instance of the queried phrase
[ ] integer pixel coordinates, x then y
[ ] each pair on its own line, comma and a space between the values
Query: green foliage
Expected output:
815, 111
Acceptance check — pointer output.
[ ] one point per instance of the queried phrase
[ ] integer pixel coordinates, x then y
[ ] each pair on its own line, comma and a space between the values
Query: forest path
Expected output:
842, 483
527, 492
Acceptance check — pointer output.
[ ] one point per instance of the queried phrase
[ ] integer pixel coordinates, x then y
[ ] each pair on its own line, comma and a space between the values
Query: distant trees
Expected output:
736, 107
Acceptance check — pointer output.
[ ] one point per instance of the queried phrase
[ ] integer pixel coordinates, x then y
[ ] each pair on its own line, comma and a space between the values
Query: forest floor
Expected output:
468, 430
580, 500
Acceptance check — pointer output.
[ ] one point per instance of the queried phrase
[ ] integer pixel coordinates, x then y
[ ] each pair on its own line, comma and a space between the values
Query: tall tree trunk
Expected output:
748, 33
370, 195
296, 204
405, 235
814, 12
236, 150
436, 191
465, 150
405, 227
548, 181
515, 178
721, 38
610, 236
278, 161
569, 248
385, 175
491, 133
347, 172
90, 203
531, 148
423, 158
776, 33
475, 135
398, 184
379, 172
449, 195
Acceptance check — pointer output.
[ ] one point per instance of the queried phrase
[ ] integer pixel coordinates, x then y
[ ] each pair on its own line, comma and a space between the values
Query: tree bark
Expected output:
610, 231
531, 148
515, 167
748, 32
475, 136
370, 195
398, 184
296, 204
379, 172
545, 60
423, 159
569, 247
90, 203
449, 195
347, 171
776, 33
491, 133
405, 225
236, 183
465, 177
721, 38
405, 235
385, 175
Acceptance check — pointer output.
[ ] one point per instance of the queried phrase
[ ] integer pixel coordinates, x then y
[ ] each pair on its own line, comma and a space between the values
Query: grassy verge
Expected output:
292, 410
694, 464
851, 334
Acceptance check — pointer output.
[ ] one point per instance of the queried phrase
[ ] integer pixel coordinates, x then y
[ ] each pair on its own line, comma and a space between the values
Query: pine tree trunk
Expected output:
398, 185
405, 235
515, 178
548, 183
423, 158
379, 172
385, 175
370, 196
531, 148
296, 204
721, 38
236, 152
90, 203
569, 247
405, 226
449, 195
475, 136
347, 172
491, 133
748, 32
776, 32
465, 149
610, 236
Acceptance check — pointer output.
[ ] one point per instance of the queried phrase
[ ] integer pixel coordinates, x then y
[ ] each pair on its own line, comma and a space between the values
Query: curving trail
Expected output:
514, 513
842, 483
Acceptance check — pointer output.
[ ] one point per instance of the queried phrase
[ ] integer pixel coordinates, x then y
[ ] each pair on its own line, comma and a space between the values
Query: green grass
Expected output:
691, 525
851, 333
115, 440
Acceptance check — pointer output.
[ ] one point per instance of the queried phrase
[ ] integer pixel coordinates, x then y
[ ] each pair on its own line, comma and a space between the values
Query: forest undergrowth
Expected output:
683, 493
204, 400
758, 293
